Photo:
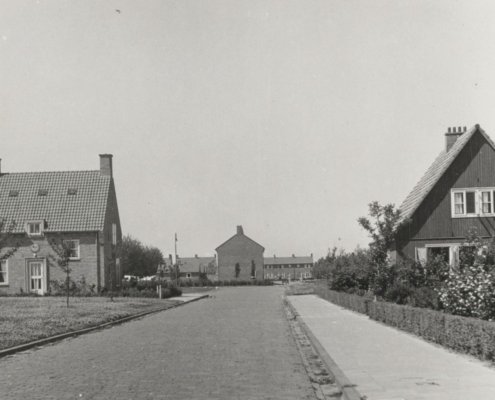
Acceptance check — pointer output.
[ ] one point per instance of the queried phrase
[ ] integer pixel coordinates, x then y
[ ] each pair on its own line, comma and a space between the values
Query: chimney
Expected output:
240, 231
452, 135
106, 165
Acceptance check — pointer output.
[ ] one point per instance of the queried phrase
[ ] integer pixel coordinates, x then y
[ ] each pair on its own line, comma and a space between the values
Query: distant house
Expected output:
281, 268
77, 208
191, 267
455, 194
240, 258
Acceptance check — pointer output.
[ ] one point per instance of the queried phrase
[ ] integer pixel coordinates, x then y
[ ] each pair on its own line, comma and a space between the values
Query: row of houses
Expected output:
241, 258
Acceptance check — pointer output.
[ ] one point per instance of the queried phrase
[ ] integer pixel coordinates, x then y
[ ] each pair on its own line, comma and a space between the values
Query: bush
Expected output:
467, 335
76, 288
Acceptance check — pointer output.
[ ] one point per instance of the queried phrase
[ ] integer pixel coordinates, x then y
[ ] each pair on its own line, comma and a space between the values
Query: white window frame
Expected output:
6, 273
78, 247
478, 202
31, 224
453, 252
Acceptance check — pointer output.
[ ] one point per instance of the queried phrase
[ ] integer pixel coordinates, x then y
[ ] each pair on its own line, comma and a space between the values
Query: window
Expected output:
188, 275
73, 247
438, 252
473, 202
486, 202
34, 228
4, 273
13, 193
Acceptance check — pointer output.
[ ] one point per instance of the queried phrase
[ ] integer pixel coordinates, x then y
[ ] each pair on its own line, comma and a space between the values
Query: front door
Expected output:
36, 276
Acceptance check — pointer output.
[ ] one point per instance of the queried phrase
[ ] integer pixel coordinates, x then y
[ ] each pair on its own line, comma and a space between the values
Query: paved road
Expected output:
386, 363
236, 345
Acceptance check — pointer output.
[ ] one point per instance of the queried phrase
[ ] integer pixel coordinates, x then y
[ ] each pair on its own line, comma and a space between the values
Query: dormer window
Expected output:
34, 228
42, 192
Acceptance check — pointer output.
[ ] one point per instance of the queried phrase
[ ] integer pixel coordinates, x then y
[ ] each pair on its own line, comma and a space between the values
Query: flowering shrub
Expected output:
469, 292
469, 289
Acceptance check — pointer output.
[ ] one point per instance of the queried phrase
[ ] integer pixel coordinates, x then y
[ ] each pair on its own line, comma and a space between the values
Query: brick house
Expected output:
455, 194
240, 258
190, 267
78, 208
277, 268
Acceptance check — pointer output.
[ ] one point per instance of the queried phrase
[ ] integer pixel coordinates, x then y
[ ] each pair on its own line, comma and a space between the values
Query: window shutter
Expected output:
421, 255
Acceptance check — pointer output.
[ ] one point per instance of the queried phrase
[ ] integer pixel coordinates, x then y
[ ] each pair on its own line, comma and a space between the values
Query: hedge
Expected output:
467, 335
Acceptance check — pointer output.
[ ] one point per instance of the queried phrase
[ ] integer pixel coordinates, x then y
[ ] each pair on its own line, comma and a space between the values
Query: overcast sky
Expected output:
286, 117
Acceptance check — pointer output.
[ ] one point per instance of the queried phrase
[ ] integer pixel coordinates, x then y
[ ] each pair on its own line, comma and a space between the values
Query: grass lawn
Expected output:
24, 319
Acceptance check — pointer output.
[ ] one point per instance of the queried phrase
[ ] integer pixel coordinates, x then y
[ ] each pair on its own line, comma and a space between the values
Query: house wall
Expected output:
239, 249
86, 266
432, 222
110, 257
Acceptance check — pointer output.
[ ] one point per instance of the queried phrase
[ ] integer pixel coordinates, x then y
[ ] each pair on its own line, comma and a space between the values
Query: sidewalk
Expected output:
387, 364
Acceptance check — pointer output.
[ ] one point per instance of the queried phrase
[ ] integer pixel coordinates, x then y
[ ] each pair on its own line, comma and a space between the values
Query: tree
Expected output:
63, 252
138, 259
8, 246
381, 227
237, 270
6, 239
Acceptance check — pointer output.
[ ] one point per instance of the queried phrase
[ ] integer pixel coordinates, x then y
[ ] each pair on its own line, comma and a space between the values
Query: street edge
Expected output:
51, 339
348, 389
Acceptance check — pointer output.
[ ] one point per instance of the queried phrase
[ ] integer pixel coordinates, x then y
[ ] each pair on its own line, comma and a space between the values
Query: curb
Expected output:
56, 338
348, 388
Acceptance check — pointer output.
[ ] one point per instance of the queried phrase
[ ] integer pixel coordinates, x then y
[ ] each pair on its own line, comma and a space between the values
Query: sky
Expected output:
286, 117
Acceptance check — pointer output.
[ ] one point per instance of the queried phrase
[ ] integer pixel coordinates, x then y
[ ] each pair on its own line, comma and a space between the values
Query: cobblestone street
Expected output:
235, 345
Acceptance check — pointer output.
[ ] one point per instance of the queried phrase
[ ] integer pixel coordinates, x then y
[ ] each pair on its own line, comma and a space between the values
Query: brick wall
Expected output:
17, 264
240, 249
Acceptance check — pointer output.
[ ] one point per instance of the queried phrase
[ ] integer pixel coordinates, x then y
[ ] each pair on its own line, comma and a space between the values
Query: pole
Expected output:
176, 262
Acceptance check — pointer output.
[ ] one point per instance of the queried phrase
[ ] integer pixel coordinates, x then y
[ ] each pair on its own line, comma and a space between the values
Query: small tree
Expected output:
63, 253
6, 239
237, 270
381, 227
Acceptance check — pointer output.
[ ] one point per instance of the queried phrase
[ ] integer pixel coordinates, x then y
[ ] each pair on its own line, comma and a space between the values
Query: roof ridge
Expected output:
48, 172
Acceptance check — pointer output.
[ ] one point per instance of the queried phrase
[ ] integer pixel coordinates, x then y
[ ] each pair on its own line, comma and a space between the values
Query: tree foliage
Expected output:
138, 259
380, 225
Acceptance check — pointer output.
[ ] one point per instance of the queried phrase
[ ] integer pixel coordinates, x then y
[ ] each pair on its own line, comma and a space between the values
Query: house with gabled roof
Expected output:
455, 195
190, 268
77, 209
240, 257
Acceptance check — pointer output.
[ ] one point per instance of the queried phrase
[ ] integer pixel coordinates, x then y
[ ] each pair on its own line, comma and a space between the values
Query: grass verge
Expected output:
25, 319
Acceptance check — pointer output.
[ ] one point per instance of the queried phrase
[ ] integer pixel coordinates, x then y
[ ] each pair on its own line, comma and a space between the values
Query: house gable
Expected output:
470, 165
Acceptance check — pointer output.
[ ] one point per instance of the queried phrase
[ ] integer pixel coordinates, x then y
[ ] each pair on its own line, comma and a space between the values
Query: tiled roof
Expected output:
193, 264
435, 172
239, 235
61, 211
288, 260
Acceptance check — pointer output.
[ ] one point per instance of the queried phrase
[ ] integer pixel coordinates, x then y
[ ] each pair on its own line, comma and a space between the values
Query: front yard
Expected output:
24, 319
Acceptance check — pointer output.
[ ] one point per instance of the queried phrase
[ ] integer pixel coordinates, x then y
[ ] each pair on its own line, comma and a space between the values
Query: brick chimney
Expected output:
240, 231
106, 165
452, 135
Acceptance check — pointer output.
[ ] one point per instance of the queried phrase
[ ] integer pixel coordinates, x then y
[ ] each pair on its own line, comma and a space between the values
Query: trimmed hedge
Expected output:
467, 335
350, 301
